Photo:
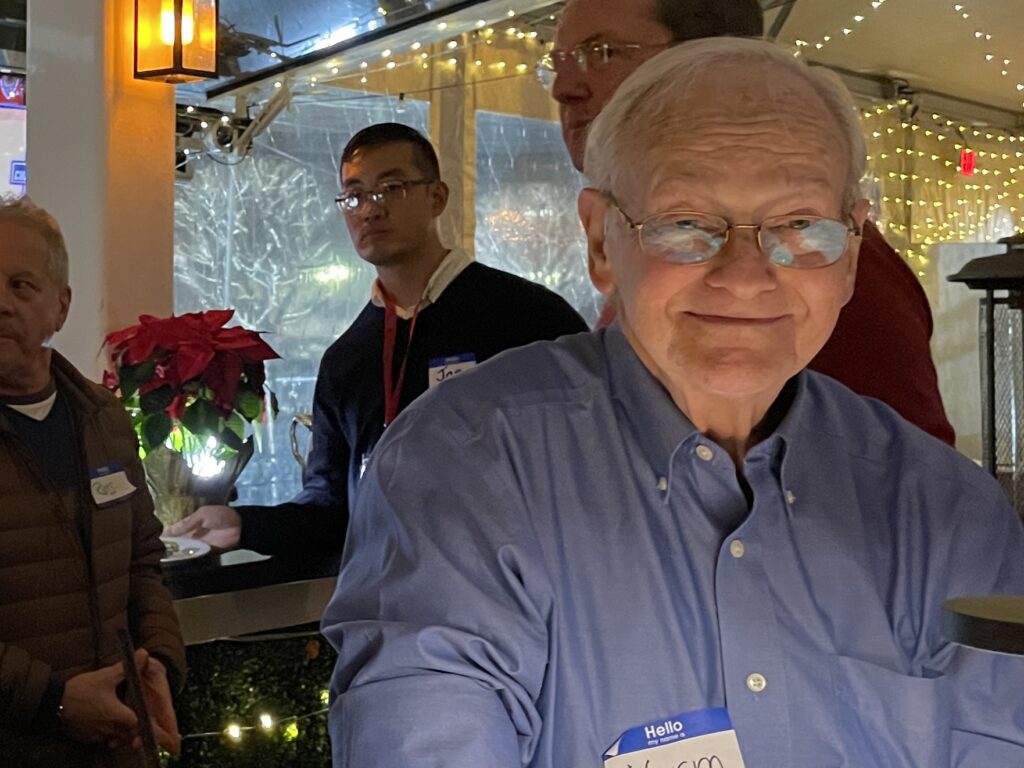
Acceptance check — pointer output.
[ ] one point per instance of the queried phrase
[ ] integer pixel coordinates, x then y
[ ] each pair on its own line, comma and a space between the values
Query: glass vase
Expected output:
180, 483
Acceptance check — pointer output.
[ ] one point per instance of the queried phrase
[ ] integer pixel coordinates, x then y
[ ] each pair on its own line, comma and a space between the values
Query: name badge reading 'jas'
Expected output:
701, 739
443, 368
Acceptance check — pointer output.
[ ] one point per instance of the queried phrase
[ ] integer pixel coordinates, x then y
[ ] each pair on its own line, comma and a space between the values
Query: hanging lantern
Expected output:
175, 40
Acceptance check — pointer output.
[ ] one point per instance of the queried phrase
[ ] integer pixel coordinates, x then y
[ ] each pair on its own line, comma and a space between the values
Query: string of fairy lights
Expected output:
927, 198
840, 31
914, 159
983, 36
288, 728
449, 52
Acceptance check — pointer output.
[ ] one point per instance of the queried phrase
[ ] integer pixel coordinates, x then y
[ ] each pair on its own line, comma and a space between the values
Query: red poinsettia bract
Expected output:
175, 368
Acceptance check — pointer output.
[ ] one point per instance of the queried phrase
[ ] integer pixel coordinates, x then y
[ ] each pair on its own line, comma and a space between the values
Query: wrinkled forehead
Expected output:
755, 117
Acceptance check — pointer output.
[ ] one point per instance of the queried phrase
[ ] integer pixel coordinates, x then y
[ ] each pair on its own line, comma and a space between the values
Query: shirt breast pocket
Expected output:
889, 718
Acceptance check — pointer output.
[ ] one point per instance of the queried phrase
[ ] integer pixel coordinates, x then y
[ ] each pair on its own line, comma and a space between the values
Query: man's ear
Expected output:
65, 305
859, 216
593, 208
440, 198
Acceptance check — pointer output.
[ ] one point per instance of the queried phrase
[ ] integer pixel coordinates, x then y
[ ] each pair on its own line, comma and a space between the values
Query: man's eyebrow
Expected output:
390, 172
598, 37
602, 37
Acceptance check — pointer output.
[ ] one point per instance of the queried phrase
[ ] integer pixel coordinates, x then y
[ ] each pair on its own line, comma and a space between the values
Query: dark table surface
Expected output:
989, 622
243, 569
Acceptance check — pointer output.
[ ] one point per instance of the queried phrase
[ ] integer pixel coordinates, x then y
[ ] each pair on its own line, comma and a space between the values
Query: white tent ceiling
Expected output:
927, 43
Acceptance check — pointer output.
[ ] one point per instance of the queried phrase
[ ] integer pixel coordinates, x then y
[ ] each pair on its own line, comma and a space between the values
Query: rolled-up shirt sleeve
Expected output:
440, 616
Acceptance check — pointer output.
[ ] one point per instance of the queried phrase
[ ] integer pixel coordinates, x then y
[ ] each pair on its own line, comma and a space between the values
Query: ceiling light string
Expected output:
987, 41
841, 32
415, 55
942, 204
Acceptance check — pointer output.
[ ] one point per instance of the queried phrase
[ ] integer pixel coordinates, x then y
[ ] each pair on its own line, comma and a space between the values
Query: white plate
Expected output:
181, 548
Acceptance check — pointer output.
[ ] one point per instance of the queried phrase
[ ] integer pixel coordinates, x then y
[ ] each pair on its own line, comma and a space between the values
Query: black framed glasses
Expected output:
589, 57
793, 240
384, 193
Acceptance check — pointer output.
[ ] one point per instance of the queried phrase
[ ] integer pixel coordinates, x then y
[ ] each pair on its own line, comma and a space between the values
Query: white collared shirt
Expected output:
449, 268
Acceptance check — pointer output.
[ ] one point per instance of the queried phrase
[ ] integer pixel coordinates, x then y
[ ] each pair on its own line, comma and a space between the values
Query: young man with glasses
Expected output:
667, 543
433, 313
881, 344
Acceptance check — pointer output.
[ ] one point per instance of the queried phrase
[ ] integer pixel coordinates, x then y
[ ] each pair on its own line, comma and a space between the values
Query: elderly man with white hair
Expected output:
666, 543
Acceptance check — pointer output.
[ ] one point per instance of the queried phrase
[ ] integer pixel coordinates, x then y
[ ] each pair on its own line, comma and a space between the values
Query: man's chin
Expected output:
378, 257
21, 374
576, 142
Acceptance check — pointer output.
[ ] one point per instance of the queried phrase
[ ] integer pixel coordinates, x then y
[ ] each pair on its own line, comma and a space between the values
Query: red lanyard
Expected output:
392, 388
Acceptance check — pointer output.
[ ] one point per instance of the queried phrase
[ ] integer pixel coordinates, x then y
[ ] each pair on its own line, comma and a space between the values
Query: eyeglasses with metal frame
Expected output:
794, 240
589, 57
384, 193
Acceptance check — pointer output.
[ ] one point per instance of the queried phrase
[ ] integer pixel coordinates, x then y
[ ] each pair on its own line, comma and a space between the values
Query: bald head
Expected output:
744, 96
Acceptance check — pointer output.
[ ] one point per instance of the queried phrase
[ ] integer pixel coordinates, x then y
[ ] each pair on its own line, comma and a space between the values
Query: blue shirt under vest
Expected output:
546, 553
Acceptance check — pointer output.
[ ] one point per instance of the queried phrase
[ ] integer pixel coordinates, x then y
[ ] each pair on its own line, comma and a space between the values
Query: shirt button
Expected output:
756, 682
790, 497
736, 548
662, 483
704, 453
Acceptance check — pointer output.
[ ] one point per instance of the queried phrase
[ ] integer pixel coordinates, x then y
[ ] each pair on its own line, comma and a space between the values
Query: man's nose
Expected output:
372, 209
741, 267
571, 83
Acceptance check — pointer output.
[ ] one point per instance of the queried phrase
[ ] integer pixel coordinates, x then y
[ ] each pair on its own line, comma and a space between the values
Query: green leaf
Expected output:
249, 404
155, 429
131, 377
257, 435
274, 407
156, 400
236, 424
230, 439
203, 419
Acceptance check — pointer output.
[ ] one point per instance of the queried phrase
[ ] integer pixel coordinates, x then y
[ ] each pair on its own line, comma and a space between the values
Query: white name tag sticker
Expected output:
109, 484
701, 739
443, 368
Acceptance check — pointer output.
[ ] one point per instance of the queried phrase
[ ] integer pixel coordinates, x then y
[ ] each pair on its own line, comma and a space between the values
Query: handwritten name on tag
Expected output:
109, 484
701, 739
444, 368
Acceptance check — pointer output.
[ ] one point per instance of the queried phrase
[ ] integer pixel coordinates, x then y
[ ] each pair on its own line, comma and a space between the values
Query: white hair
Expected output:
647, 94
26, 213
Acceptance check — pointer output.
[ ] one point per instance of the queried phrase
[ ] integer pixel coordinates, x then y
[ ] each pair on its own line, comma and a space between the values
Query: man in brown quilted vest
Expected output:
79, 544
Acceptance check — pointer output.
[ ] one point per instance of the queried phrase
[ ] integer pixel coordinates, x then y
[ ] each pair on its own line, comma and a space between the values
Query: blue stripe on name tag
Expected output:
465, 357
685, 726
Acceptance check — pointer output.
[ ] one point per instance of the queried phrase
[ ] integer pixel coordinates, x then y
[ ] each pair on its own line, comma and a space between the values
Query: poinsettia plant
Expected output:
186, 379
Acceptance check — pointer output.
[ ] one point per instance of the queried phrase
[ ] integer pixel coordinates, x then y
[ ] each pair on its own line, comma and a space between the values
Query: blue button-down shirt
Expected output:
545, 553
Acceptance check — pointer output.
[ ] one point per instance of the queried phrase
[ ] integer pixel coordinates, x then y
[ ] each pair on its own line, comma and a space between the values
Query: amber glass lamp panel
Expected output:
154, 35
199, 35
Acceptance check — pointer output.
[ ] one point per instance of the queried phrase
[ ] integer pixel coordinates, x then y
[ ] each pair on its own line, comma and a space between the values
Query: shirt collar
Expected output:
449, 268
661, 427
